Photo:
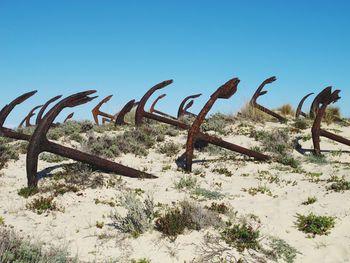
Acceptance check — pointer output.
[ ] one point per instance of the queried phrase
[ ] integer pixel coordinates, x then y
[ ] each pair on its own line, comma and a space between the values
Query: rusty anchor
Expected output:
182, 111
153, 110
120, 117
194, 134
259, 93
97, 112
26, 120
38, 142
325, 98
300, 106
70, 116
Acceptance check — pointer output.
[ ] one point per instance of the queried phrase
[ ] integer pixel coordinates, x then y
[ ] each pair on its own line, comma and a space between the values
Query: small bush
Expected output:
7, 152
241, 237
309, 201
19, 250
223, 171
331, 115
217, 123
2, 221
207, 194
301, 124
281, 249
253, 114
169, 149
186, 182
339, 186
186, 215
139, 216
315, 225
142, 260
27, 191
52, 158
260, 189
219, 208
42, 204
287, 110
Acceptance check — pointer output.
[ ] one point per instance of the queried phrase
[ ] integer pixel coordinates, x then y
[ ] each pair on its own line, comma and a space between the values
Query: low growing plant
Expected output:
313, 225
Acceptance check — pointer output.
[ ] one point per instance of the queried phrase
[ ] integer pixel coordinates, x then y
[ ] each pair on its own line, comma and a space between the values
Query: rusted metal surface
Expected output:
68, 117
315, 105
259, 93
194, 134
184, 106
120, 117
97, 112
44, 107
4, 113
300, 106
153, 110
324, 98
39, 143
27, 119
141, 113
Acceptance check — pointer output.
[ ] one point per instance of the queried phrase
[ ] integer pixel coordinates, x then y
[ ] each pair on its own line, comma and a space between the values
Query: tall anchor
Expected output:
259, 93
300, 106
325, 98
182, 111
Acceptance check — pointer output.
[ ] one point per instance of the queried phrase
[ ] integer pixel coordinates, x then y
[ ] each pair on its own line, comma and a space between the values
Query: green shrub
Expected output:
42, 204
241, 236
139, 216
223, 171
315, 225
2, 221
19, 250
217, 123
207, 194
52, 158
301, 124
185, 215
186, 182
309, 201
27, 191
169, 149
282, 250
219, 208
142, 260
7, 152
339, 186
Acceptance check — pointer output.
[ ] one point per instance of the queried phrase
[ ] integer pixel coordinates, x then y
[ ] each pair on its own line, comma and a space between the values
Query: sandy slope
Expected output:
75, 227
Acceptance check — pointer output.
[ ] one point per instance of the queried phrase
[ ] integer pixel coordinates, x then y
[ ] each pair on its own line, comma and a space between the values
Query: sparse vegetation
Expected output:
186, 182
241, 236
282, 250
19, 250
219, 208
260, 189
207, 194
315, 225
27, 191
223, 171
139, 216
332, 114
301, 124
185, 215
286, 110
309, 201
169, 149
339, 186
2, 221
7, 152
43, 204
52, 158
251, 113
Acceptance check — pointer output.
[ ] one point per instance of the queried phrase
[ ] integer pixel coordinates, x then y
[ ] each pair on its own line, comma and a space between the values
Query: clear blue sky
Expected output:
125, 47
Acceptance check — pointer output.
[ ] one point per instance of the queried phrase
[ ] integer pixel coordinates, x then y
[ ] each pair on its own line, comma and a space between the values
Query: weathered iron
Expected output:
182, 111
325, 98
6, 110
120, 117
97, 112
26, 120
315, 105
153, 110
194, 134
300, 106
259, 93
44, 107
39, 143
68, 117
